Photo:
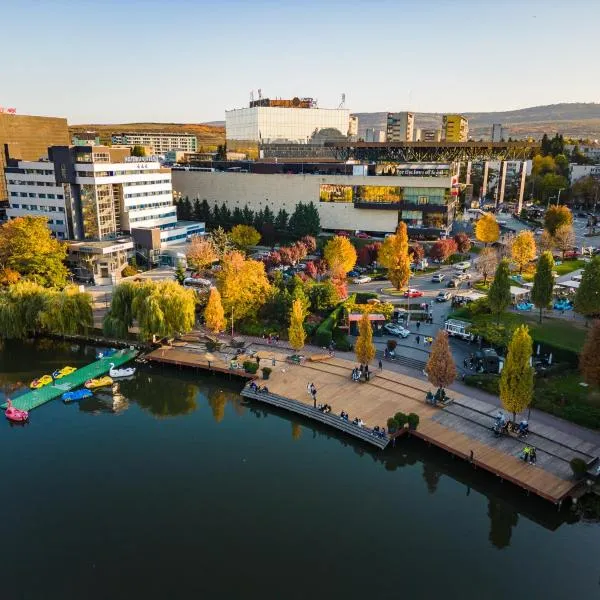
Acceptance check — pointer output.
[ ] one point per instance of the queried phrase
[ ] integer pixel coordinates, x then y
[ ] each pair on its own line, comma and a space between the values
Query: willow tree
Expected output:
119, 318
365, 349
68, 312
296, 332
516, 379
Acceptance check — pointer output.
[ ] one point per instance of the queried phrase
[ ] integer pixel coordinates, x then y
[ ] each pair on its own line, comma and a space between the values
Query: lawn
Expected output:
568, 266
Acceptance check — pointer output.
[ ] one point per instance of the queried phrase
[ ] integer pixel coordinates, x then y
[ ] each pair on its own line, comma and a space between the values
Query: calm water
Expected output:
186, 490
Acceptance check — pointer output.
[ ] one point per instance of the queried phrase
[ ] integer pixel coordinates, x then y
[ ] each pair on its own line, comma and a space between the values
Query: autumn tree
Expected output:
393, 255
214, 315
338, 280
516, 379
296, 333
244, 236
555, 217
443, 249
487, 229
546, 241
310, 243
587, 297
365, 349
339, 251
416, 252
523, 249
589, 359
463, 242
543, 282
202, 253
221, 241
499, 294
440, 369
486, 264
564, 238
27, 247
243, 285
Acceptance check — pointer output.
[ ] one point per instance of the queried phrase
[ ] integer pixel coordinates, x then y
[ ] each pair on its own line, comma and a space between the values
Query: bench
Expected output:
319, 357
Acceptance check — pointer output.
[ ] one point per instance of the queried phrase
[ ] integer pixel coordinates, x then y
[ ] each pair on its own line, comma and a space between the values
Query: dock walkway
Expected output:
35, 398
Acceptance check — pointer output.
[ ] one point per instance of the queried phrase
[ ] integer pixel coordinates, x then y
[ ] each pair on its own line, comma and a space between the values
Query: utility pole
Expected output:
232, 322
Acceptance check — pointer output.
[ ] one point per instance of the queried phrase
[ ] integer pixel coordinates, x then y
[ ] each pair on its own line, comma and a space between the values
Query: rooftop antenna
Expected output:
251, 96
343, 102
259, 94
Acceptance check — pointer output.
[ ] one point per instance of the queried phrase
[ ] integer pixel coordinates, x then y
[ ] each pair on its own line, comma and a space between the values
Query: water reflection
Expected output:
296, 431
431, 476
503, 518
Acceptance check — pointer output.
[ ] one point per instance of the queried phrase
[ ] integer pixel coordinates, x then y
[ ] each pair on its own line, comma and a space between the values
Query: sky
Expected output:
185, 61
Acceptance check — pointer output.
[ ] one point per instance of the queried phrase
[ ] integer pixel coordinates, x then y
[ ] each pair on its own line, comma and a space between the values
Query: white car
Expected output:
538, 232
398, 330
463, 266
362, 279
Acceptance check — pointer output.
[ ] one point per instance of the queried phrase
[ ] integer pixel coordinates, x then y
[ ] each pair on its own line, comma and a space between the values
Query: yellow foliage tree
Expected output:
214, 315
516, 379
487, 229
244, 236
339, 252
365, 349
202, 253
523, 249
393, 255
296, 332
243, 285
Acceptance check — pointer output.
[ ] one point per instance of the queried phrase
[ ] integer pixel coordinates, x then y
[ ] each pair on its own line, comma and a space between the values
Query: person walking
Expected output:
380, 365
418, 324
418, 339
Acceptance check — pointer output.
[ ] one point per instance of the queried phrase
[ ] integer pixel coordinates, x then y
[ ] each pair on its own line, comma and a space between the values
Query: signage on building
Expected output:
414, 169
141, 159
8, 111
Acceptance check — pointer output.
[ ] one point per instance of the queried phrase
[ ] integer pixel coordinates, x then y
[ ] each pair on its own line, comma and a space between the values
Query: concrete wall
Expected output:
286, 191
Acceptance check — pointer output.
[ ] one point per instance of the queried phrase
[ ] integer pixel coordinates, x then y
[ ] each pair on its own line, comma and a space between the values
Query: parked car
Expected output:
443, 296
342, 233
396, 330
363, 236
354, 273
453, 283
538, 231
362, 279
412, 293
438, 278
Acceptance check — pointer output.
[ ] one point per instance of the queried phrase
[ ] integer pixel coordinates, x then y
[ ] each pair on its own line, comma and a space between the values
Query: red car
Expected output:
412, 293
363, 236
342, 234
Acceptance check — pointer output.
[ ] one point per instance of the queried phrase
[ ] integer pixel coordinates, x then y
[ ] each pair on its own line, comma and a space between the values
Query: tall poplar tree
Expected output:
516, 379
365, 349
214, 315
543, 282
393, 255
440, 369
296, 333
499, 294
587, 297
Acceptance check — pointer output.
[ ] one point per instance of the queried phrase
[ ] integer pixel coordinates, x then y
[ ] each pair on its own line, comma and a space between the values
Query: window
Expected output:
423, 200
59, 222
42, 195
14, 206
52, 208
59, 196
14, 194
50, 222
32, 195
25, 206
51, 196
61, 209
33, 207
23, 195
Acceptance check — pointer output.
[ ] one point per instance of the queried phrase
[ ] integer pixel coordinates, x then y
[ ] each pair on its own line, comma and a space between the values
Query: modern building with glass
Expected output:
423, 195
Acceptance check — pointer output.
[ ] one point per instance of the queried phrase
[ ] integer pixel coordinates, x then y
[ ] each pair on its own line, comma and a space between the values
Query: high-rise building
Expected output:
158, 141
400, 127
499, 133
26, 137
374, 135
296, 121
91, 192
456, 128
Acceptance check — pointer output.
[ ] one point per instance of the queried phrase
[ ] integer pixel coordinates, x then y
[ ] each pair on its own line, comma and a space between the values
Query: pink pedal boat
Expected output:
15, 414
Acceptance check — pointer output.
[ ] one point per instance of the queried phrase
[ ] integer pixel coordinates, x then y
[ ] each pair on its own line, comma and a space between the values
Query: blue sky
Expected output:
184, 61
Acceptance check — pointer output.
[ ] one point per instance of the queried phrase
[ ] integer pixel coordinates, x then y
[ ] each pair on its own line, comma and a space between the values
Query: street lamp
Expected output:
558, 199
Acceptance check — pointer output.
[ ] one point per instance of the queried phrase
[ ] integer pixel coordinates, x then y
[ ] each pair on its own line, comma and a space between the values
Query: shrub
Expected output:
413, 421
362, 297
266, 371
392, 424
578, 467
401, 419
250, 366
129, 271
212, 345
323, 337
341, 340
391, 345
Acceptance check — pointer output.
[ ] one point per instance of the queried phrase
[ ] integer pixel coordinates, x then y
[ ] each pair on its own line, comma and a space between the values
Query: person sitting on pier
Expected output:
253, 386
344, 415
360, 422
263, 390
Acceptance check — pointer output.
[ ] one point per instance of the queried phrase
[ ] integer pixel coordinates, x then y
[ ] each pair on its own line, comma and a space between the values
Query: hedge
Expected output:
362, 297
324, 334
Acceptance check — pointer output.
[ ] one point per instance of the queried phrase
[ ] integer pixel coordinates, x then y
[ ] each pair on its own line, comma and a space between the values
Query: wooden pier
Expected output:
463, 428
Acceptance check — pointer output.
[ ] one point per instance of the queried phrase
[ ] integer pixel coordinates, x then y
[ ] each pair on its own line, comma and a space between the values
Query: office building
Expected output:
91, 192
296, 121
577, 172
374, 135
85, 138
423, 195
428, 135
26, 137
158, 141
499, 133
456, 128
400, 127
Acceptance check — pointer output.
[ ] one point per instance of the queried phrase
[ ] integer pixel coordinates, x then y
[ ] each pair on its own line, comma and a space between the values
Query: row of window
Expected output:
27, 182
155, 182
40, 208
114, 173
32, 195
39, 171
144, 194
153, 217
153, 205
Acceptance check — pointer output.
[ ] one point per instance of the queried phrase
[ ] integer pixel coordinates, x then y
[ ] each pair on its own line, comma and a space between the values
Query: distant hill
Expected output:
208, 135
577, 120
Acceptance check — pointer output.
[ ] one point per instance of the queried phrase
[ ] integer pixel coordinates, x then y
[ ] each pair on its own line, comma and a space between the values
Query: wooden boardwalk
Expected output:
388, 393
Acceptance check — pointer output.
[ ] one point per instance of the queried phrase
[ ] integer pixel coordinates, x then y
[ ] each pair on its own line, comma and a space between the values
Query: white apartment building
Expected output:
400, 127
159, 141
580, 171
272, 124
92, 193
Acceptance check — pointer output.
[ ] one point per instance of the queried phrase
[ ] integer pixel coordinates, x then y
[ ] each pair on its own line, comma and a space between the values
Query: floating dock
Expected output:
35, 398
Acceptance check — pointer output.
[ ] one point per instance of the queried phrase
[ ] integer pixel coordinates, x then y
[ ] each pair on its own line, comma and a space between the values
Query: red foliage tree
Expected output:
463, 243
310, 242
311, 269
321, 266
417, 252
286, 254
443, 249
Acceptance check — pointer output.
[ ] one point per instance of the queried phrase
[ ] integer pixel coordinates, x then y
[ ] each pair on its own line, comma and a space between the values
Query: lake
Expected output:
182, 489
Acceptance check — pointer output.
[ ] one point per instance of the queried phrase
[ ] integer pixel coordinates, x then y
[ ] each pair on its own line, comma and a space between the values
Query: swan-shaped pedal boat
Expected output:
116, 373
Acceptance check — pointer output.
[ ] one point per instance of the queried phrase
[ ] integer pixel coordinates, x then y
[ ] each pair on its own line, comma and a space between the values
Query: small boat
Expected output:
63, 372
105, 353
15, 414
76, 395
116, 373
36, 384
97, 383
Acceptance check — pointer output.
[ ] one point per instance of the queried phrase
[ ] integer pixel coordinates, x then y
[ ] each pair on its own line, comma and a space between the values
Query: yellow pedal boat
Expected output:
36, 384
63, 372
105, 381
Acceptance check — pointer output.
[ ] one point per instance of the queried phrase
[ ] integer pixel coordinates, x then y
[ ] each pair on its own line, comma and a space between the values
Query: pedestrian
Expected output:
418, 324
380, 365
418, 339
465, 363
